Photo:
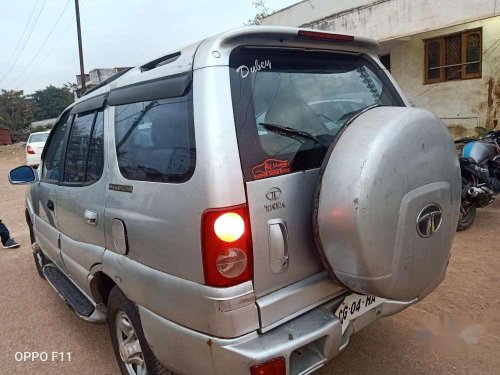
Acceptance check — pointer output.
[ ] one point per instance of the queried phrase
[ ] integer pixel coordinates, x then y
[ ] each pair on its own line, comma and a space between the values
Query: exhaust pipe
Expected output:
482, 196
474, 191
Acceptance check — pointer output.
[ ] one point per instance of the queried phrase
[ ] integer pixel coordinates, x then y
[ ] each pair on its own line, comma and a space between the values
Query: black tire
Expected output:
32, 232
38, 257
465, 221
118, 303
40, 261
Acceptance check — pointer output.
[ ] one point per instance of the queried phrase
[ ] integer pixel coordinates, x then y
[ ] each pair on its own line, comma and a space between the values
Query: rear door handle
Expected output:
50, 205
90, 217
278, 245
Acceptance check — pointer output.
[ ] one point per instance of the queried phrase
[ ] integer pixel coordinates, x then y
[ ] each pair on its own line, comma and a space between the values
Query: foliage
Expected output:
263, 12
16, 112
71, 86
50, 102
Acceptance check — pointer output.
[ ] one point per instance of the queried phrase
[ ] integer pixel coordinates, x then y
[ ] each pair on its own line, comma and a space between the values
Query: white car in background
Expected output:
34, 148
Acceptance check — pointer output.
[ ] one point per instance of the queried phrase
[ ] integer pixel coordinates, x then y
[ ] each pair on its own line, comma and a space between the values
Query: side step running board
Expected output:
70, 294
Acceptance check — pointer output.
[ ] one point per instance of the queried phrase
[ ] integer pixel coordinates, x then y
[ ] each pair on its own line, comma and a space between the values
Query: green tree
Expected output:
263, 12
16, 113
50, 102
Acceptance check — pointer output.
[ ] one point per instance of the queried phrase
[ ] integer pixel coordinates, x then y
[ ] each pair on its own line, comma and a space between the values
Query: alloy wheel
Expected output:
128, 343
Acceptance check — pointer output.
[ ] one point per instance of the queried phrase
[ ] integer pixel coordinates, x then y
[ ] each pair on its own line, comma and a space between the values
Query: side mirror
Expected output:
22, 175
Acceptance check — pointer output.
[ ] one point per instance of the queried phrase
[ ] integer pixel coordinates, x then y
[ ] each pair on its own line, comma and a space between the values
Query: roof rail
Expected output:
160, 61
107, 81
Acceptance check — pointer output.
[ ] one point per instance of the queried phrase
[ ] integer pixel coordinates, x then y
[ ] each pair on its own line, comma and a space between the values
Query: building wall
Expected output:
308, 11
462, 104
5, 137
42, 123
383, 19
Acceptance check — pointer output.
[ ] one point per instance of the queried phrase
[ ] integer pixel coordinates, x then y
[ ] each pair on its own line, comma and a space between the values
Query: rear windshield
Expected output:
38, 138
312, 92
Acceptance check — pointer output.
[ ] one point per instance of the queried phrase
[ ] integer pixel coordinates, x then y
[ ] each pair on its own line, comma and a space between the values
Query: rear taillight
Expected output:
325, 36
30, 150
226, 246
275, 366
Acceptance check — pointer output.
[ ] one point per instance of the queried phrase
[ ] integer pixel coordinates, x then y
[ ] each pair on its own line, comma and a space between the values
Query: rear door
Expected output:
81, 197
312, 92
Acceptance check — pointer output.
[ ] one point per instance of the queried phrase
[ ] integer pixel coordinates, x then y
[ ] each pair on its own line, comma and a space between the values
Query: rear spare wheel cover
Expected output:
387, 203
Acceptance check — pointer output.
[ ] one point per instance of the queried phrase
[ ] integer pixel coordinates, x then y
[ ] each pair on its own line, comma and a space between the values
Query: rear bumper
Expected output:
306, 342
33, 160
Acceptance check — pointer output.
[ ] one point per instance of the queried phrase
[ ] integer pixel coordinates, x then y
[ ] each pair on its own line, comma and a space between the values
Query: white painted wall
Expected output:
383, 19
311, 10
461, 103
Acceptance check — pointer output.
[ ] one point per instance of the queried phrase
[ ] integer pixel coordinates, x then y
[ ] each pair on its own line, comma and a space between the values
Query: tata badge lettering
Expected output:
223, 202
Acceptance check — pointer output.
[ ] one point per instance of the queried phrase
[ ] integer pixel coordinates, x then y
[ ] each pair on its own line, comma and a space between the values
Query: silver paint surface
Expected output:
386, 167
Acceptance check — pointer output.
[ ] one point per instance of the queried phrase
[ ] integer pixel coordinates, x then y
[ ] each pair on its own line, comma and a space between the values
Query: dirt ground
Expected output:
456, 330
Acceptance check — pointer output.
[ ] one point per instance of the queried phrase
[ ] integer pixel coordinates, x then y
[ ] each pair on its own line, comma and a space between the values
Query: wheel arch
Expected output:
31, 227
100, 284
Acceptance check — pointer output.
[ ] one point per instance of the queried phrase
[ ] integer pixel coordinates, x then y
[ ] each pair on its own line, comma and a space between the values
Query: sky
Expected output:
115, 33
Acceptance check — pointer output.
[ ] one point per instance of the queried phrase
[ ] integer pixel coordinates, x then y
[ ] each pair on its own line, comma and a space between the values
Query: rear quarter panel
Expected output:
164, 219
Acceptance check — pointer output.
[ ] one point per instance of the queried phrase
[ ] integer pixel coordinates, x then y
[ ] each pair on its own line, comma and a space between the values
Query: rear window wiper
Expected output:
348, 115
292, 133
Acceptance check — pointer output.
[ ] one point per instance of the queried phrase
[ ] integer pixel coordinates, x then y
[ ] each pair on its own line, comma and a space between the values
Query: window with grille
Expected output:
386, 61
452, 57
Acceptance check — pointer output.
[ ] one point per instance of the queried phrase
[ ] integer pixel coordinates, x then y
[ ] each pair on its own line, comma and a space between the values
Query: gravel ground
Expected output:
421, 340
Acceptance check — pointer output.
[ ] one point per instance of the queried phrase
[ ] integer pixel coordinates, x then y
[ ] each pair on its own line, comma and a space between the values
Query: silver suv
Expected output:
244, 205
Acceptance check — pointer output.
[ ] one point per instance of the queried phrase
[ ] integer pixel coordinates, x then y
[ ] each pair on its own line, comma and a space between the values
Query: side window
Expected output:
155, 140
78, 145
53, 158
386, 61
96, 151
472, 53
433, 61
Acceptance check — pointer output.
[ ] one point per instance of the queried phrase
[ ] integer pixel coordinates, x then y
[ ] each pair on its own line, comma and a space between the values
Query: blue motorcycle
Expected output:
480, 167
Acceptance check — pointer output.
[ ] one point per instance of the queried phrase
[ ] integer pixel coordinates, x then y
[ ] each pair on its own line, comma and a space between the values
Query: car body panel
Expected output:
83, 243
306, 342
34, 159
221, 312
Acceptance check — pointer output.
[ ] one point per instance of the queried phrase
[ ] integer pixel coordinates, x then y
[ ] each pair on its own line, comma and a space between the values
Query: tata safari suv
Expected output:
245, 204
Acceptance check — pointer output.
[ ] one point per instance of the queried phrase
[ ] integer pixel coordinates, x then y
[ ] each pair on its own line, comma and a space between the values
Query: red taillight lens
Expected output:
30, 150
226, 246
275, 366
325, 36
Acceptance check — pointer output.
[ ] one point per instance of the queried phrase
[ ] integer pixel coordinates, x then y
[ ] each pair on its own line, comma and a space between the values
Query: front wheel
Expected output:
466, 219
131, 349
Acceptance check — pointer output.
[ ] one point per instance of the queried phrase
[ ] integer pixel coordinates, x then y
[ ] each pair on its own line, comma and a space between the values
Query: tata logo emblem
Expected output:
273, 194
429, 220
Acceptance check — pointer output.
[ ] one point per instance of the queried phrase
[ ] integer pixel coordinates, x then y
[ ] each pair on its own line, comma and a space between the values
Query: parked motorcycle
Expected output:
480, 167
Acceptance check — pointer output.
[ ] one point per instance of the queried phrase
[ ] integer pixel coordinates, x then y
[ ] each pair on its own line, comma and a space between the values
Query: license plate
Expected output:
355, 305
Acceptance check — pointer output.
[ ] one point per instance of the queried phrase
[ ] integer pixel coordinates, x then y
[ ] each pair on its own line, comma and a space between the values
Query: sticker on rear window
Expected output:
270, 168
257, 67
